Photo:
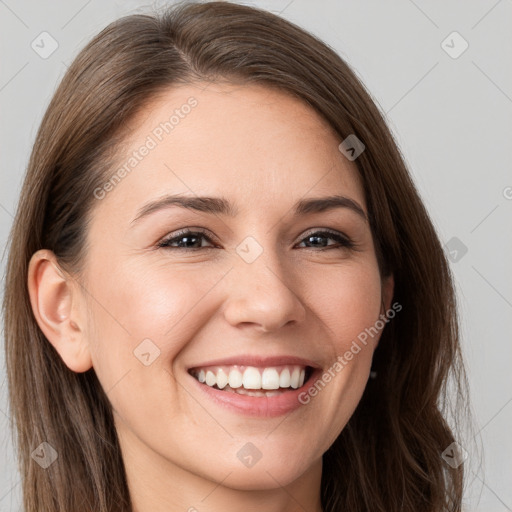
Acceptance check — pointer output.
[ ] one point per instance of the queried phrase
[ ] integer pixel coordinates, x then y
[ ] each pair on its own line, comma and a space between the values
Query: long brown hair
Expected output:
388, 457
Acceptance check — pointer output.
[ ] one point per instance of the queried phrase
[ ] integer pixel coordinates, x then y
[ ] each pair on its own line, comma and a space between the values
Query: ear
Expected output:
54, 298
388, 288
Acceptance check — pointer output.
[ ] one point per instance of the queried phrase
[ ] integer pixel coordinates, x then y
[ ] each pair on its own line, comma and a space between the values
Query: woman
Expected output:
223, 290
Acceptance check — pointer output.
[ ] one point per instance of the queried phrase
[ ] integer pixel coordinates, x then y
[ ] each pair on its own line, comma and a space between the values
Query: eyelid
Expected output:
324, 230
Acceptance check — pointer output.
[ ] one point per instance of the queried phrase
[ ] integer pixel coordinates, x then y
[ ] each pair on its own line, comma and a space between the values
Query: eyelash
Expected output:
343, 241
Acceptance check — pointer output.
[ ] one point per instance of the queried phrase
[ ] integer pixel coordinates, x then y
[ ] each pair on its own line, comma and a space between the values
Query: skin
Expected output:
262, 150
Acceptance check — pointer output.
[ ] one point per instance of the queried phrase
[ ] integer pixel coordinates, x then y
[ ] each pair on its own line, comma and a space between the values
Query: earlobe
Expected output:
54, 298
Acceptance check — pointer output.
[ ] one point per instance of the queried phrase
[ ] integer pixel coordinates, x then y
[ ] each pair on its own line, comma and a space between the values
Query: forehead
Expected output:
255, 145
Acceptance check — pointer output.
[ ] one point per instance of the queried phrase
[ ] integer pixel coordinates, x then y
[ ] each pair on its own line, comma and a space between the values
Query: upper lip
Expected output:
258, 361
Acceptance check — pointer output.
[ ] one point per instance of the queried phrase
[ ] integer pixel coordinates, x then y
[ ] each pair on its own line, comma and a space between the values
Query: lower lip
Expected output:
262, 406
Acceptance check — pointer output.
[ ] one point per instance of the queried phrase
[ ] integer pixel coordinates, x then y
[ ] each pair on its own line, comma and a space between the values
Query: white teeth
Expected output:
242, 378
252, 378
302, 377
269, 379
294, 380
284, 379
211, 380
222, 378
235, 379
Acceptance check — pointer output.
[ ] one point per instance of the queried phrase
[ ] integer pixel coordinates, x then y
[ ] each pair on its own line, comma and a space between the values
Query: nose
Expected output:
263, 295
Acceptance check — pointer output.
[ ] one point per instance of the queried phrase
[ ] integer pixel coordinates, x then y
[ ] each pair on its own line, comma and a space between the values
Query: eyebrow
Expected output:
221, 206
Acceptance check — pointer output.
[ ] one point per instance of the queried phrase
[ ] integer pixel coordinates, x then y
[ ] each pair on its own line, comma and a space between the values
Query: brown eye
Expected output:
186, 239
317, 237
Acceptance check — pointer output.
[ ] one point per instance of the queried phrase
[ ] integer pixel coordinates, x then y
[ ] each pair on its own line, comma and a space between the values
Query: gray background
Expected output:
451, 118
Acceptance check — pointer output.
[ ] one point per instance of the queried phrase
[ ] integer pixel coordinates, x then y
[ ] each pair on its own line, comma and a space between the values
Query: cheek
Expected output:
140, 319
165, 301
135, 303
347, 300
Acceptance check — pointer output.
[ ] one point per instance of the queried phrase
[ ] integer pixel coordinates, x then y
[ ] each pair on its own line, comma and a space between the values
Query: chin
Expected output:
264, 475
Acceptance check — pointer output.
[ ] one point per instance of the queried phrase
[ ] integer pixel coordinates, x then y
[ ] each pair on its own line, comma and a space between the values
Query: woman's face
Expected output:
253, 285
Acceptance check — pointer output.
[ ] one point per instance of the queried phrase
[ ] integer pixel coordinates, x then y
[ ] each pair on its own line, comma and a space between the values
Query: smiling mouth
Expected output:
252, 380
